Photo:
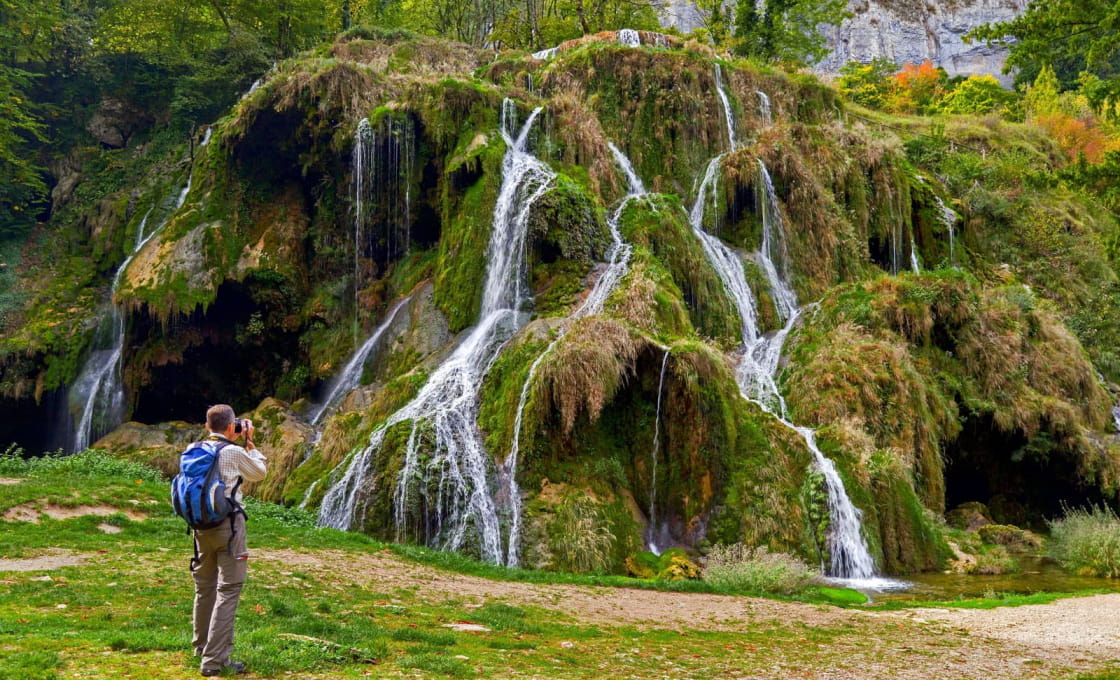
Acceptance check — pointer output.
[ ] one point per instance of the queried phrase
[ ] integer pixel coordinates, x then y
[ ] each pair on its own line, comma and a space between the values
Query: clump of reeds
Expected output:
1087, 542
743, 568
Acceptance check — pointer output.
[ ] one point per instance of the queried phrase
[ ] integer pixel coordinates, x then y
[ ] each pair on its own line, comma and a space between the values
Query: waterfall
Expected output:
99, 387
757, 370
628, 37
545, 55
764, 107
206, 136
381, 164
651, 531
1116, 417
915, 266
447, 405
727, 115
618, 258
949, 219
351, 374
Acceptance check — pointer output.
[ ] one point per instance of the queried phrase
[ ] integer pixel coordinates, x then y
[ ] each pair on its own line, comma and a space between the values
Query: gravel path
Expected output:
1057, 640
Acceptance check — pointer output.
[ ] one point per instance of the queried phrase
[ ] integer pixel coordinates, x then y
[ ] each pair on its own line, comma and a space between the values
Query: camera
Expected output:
240, 425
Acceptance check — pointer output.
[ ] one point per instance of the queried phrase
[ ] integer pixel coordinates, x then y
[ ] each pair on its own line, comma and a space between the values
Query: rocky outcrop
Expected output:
899, 30
915, 31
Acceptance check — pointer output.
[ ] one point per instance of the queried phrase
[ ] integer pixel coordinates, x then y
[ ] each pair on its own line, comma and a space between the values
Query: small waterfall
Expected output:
99, 387
915, 266
949, 219
726, 262
764, 110
545, 55
382, 165
351, 374
628, 37
618, 258
728, 116
206, 136
1116, 417
457, 468
651, 531
758, 367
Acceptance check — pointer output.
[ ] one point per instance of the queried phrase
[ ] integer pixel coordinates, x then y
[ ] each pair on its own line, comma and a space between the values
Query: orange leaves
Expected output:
1078, 136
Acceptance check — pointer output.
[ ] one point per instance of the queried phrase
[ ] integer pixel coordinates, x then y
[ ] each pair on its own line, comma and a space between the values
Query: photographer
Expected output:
223, 555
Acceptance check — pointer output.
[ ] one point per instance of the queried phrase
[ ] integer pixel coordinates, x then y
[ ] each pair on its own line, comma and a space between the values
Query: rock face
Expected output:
915, 31
679, 14
899, 30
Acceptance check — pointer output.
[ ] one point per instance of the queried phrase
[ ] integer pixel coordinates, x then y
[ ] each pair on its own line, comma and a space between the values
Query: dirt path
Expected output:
1054, 640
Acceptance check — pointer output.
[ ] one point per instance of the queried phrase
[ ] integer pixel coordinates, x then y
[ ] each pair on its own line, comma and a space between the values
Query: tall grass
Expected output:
1087, 542
741, 568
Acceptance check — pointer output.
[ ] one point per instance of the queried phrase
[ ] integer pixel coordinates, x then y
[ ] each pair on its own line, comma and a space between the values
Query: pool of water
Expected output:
1038, 575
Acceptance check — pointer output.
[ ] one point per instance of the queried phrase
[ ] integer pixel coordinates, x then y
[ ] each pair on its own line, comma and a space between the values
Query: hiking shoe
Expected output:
233, 668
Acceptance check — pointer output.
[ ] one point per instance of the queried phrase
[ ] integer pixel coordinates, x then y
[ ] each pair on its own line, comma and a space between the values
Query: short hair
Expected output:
219, 417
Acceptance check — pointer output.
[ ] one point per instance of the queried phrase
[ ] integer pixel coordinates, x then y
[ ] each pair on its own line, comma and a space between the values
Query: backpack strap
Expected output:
196, 560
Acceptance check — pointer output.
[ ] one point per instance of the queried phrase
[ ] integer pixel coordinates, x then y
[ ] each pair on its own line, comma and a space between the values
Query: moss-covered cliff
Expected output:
947, 357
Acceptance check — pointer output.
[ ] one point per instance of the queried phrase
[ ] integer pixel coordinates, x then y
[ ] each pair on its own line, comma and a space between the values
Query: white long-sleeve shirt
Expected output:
235, 461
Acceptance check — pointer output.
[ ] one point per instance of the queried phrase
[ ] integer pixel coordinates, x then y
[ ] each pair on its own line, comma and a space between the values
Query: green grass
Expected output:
306, 612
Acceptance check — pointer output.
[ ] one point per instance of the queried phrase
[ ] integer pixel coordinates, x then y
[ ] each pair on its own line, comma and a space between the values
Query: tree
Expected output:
977, 95
1071, 36
868, 84
785, 30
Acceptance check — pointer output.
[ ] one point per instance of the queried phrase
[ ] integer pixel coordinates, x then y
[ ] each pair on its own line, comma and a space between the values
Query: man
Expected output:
223, 556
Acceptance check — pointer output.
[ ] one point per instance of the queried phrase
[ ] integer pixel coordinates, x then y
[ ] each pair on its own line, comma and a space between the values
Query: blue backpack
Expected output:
198, 494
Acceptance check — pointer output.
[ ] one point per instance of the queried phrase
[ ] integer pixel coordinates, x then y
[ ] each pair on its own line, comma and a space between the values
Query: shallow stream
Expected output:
1038, 575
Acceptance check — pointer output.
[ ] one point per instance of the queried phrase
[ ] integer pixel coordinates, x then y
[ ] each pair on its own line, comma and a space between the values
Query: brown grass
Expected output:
587, 369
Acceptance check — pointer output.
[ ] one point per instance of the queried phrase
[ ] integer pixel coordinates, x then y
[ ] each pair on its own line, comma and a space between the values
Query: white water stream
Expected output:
99, 386
451, 482
618, 263
351, 374
757, 371
651, 528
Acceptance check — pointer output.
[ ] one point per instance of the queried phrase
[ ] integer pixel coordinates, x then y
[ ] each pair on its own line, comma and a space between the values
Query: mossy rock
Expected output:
969, 516
1012, 538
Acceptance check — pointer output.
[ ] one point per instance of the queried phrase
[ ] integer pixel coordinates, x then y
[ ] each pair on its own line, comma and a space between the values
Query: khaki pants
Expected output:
217, 589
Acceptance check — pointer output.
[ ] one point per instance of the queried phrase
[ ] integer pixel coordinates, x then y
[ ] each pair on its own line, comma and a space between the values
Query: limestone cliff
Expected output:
915, 31
902, 30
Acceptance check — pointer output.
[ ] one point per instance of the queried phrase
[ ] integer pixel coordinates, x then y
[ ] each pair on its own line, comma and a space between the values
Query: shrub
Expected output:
994, 561
1010, 537
581, 536
1087, 542
757, 570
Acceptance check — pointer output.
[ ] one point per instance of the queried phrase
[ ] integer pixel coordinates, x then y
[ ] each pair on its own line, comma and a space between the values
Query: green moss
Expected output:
667, 235
467, 219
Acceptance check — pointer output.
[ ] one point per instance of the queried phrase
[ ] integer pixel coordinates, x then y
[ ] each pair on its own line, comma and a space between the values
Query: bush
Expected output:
742, 568
993, 562
1087, 542
581, 536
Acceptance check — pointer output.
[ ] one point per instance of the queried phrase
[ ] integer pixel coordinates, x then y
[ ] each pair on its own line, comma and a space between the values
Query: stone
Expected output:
914, 32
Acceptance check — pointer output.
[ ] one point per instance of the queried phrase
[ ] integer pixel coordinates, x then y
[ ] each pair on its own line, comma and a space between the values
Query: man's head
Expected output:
219, 418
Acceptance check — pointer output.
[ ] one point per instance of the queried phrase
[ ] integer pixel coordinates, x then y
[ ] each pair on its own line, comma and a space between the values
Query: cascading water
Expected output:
351, 374
618, 258
651, 528
915, 265
628, 37
99, 387
733, 144
545, 55
764, 110
206, 136
381, 162
949, 219
447, 406
1116, 417
757, 370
